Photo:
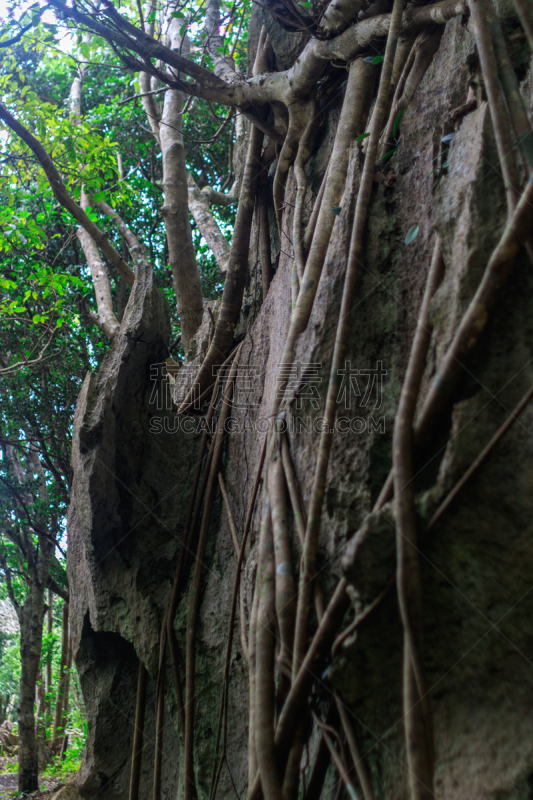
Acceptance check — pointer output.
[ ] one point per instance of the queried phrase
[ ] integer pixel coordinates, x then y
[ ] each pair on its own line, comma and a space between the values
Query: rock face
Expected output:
129, 496
133, 468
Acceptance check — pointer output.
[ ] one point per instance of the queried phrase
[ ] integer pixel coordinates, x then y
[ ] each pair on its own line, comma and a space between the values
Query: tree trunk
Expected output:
176, 211
64, 743
48, 673
31, 634
41, 720
62, 683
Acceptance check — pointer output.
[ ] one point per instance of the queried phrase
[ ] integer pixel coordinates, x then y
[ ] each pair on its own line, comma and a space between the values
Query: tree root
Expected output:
304, 153
417, 718
252, 757
159, 728
264, 233
525, 12
311, 225
481, 14
195, 598
299, 516
237, 546
327, 733
513, 97
265, 696
359, 764
326, 437
138, 733
236, 274
420, 58
284, 580
310, 670
298, 120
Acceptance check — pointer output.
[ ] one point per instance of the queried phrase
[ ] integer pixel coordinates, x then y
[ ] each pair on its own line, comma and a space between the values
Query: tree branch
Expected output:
9, 584
57, 589
62, 196
200, 209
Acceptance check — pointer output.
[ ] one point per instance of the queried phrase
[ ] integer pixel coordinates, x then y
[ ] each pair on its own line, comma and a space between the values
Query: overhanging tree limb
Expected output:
63, 197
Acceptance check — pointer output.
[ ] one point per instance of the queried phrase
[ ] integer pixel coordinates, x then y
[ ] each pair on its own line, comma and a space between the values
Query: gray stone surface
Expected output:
131, 486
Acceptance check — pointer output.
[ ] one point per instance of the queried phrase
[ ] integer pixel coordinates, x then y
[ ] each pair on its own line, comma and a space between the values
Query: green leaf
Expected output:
151, 17
374, 59
413, 233
336, 211
85, 50
389, 154
363, 136
305, 5
178, 15
397, 121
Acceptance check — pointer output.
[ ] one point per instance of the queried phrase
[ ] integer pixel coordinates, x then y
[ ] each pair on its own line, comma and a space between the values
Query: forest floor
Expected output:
9, 785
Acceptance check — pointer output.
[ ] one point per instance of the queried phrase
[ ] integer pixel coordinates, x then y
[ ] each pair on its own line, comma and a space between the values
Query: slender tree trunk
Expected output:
64, 743
62, 683
48, 683
40, 691
31, 635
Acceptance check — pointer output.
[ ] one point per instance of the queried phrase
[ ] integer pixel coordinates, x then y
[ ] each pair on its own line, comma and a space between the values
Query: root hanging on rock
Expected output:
363, 198
138, 733
265, 693
417, 716
284, 580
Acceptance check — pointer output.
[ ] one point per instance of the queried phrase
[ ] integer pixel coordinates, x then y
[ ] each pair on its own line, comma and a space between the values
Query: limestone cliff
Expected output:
133, 462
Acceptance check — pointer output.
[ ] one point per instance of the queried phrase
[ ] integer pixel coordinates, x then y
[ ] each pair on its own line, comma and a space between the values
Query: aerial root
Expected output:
159, 729
513, 97
264, 233
138, 733
298, 122
525, 12
237, 546
302, 157
236, 274
265, 691
482, 14
195, 597
420, 58
363, 198
284, 579
358, 761
417, 718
